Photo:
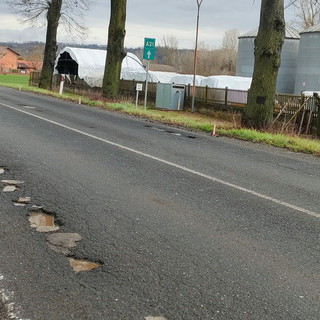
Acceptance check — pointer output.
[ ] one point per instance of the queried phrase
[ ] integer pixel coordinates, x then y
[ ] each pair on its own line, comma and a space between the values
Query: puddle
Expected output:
1, 170
82, 265
42, 222
155, 318
9, 188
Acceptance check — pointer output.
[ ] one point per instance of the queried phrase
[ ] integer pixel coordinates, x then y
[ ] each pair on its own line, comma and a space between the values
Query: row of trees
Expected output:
268, 45
210, 61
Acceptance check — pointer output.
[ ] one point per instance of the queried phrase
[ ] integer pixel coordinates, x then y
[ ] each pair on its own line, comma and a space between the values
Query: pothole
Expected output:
22, 201
9, 188
12, 182
28, 107
42, 222
63, 242
18, 204
82, 265
11, 185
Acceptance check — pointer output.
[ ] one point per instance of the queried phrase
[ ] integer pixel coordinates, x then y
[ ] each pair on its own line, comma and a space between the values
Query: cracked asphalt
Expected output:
183, 228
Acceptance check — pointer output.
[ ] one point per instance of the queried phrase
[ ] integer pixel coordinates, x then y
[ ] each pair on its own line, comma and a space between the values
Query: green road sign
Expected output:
148, 50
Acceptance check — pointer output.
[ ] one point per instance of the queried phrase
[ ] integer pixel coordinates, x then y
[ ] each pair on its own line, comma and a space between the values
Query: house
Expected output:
26, 66
8, 59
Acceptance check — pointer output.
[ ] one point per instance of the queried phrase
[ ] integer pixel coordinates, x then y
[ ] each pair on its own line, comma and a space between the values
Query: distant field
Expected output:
14, 79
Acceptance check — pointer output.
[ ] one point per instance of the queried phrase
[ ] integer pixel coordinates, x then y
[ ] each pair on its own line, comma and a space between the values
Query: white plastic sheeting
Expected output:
91, 65
233, 83
186, 79
163, 77
309, 93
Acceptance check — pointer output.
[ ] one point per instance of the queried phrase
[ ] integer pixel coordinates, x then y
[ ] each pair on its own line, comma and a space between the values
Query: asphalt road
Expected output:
184, 225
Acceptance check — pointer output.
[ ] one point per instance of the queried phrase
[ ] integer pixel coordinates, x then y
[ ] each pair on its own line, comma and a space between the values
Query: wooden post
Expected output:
318, 105
318, 124
206, 94
226, 96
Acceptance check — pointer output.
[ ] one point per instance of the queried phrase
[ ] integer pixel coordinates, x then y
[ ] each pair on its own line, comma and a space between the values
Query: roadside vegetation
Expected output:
227, 124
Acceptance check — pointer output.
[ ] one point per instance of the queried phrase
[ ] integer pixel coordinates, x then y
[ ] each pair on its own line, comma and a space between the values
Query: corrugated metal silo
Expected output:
289, 57
308, 68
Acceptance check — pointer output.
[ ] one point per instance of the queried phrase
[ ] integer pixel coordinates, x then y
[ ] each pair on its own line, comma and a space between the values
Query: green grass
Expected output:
226, 124
14, 80
297, 144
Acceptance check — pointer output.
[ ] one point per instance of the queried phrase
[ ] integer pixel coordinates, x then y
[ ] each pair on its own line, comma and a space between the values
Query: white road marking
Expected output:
6, 297
172, 164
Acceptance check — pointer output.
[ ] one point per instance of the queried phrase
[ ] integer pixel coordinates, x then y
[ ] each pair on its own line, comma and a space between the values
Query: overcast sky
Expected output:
150, 18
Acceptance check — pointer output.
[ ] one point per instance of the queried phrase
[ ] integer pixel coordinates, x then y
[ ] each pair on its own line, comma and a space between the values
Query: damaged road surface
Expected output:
122, 218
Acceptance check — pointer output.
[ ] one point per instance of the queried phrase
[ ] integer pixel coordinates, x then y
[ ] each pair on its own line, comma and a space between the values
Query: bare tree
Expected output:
307, 13
115, 47
52, 12
230, 40
35, 57
229, 50
268, 46
169, 49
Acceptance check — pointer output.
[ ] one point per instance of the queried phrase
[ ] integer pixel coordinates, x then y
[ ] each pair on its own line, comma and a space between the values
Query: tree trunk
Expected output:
115, 48
53, 16
268, 44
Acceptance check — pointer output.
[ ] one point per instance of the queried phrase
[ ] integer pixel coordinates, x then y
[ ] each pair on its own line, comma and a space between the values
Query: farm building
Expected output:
289, 58
8, 59
308, 68
89, 65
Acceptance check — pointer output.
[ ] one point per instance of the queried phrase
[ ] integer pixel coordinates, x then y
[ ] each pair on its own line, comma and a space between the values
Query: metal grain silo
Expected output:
289, 57
308, 68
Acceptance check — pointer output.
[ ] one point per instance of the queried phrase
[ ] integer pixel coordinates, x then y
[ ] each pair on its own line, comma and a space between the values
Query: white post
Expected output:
137, 98
146, 89
179, 101
61, 85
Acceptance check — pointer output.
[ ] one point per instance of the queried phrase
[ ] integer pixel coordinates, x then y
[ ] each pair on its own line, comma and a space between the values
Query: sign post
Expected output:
148, 54
138, 88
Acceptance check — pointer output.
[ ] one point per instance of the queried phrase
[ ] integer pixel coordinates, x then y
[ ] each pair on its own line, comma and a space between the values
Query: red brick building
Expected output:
8, 59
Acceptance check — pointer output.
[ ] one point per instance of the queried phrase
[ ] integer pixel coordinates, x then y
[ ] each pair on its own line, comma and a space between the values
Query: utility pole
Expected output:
199, 2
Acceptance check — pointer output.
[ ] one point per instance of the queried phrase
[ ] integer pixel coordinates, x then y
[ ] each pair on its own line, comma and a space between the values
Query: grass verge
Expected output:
226, 124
